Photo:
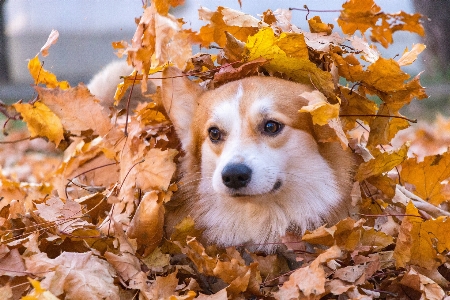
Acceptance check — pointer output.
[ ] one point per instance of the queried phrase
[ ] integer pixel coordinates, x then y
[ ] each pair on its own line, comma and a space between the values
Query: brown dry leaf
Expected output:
147, 223
422, 284
157, 40
163, 287
41, 121
197, 254
240, 277
350, 273
12, 264
77, 275
230, 73
77, 108
6, 292
309, 282
156, 171
385, 75
428, 177
126, 265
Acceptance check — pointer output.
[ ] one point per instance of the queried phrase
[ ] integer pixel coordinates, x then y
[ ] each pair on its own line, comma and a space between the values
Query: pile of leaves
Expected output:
83, 194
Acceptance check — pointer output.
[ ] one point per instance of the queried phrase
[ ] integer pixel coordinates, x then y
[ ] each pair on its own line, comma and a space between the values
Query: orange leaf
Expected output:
383, 162
428, 176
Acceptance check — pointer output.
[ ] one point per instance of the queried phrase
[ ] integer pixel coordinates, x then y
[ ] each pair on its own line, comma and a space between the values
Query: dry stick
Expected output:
16, 141
128, 105
383, 116
71, 180
313, 10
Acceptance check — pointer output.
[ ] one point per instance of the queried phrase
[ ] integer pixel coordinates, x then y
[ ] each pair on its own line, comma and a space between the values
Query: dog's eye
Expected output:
214, 134
272, 127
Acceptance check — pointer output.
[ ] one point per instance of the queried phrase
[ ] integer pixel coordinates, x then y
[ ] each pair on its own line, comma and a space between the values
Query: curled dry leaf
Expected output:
147, 223
52, 39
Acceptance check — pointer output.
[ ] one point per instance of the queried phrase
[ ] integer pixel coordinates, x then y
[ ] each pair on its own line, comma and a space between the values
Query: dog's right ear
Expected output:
179, 97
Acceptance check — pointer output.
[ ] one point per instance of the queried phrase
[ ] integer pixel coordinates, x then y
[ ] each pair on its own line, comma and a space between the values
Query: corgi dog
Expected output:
253, 169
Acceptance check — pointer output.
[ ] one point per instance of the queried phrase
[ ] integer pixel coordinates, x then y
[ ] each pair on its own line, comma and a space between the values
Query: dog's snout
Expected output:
236, 176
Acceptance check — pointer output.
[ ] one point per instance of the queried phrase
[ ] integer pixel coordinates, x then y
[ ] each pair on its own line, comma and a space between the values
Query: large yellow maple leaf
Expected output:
288, 54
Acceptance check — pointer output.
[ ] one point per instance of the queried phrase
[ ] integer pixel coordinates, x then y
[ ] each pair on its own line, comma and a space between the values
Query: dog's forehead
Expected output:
255, 96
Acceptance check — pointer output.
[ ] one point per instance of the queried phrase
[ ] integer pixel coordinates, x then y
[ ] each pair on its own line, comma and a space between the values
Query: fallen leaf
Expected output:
41, 121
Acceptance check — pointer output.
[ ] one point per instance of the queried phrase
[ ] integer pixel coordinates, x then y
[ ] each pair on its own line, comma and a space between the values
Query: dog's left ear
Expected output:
179, 95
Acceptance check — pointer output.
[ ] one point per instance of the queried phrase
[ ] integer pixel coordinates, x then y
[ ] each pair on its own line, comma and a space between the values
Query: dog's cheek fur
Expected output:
309, 196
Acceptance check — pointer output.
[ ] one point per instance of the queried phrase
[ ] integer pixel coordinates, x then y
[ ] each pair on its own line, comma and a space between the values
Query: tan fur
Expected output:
315, 177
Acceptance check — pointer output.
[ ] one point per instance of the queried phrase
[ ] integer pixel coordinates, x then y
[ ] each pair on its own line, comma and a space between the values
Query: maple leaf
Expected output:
41, 121
428, 176
77, 108
78, 275
362, 15
288, 54
236, 23
40, 75
416, 240
383, 162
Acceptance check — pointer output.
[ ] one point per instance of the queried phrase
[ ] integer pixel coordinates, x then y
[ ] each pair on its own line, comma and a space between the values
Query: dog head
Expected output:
253, 161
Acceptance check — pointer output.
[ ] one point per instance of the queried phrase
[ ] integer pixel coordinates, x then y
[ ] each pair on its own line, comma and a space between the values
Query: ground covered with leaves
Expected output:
83, 190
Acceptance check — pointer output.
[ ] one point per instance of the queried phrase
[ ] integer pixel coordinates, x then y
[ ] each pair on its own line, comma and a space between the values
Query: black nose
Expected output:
236, 176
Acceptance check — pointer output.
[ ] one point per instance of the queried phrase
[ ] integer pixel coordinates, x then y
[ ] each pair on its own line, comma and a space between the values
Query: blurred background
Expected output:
87, 28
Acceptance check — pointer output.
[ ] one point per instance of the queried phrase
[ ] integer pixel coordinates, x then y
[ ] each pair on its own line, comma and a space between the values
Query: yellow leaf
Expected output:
385, 75
428, 176
288, 54
321, 111
41, 121
419, 242
40, 75
38, 293
383, 162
